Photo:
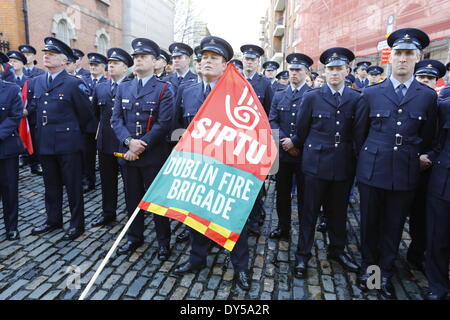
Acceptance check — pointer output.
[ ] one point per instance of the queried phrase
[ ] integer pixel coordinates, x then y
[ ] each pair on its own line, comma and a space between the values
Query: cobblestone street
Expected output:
36, 266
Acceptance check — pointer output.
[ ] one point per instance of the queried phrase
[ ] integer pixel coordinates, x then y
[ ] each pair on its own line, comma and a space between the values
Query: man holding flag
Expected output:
11, 110
215, 53
141, 120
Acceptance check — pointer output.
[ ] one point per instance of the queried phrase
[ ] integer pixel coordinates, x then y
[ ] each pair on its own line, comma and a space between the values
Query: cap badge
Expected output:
212, 41
429, 66
406, 37
334, 55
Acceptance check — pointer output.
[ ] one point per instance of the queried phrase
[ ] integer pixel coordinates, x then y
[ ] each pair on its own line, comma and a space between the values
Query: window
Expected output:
63, 32
102, 45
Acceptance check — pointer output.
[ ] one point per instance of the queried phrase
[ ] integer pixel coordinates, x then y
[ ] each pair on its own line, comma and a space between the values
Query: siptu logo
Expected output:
246, 116
374, 280
74, 279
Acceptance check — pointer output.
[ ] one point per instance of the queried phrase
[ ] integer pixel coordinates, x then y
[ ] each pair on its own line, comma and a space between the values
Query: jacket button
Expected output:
378, 115
338, 123
420, 118
3, 109
338, 112
293, 114
399, 123
400, 110
294, 105
137, 113
137, 103
45, 111
45, 94
68, 129
365, 148
395, 148
310, 146
45, 102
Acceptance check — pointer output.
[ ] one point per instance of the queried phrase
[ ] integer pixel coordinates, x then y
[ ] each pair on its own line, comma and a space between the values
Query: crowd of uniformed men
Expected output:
389, 138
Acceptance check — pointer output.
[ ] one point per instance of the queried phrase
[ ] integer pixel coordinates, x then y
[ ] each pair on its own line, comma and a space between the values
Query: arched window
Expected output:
63, 31
102, 41
102, 45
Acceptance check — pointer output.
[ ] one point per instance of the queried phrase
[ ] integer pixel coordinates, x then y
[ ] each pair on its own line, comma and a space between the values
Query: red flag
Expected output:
24, 128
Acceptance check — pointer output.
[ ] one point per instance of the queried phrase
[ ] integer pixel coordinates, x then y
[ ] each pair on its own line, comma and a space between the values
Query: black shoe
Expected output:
37, 170
163, 253
187, 267
279, 234
13, 235
300, 270
45, 228
73, 234
323, 224
129, 247
344, 261
22, 162
434, 297
183, 236
387, 289
88, 187
243, 280
103, 221
253, 232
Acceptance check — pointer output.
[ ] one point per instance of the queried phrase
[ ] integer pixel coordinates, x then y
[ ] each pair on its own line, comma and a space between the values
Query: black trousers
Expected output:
317, 192
200, 247
438, 245
89, 157
9, 192
285, 176
59, 171
109, 176
383, 216
417, 219
138, 180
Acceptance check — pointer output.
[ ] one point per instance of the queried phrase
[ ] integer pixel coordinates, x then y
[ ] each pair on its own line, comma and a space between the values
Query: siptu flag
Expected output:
214, 174
24, 127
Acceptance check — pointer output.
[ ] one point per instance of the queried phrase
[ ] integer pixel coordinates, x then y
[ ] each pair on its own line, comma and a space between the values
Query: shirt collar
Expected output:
184, 75
211, 84
341, 90
98, 79
55, 74
118, 81
251, 78
145, 80
299, 88
396, 83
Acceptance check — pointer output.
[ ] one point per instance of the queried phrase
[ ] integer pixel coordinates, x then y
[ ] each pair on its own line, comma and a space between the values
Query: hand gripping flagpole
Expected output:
108, 256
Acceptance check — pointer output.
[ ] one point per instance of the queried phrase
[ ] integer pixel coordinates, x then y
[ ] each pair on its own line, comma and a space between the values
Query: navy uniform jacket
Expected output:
397, 134
21, 82
189, 101
361, 84
11, 110
90, 83
83, 73
439, 184
131, 115
276, 86
190, 78
103, 104
445, 93
33, 73
329, 134
283, 117
63, 111
263, 89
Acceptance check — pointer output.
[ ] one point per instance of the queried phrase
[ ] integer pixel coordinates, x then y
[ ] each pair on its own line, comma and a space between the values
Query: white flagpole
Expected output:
108, 256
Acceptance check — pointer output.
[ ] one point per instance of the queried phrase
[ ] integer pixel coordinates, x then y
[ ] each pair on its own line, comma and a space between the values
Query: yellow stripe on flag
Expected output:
157, 209
195, 225
220, 230
180, 211
229, 245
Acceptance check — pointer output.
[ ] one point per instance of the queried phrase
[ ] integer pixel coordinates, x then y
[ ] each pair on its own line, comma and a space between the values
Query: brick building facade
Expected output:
90, 25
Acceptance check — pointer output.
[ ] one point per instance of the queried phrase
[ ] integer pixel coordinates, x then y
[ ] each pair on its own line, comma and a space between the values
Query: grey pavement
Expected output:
47, 268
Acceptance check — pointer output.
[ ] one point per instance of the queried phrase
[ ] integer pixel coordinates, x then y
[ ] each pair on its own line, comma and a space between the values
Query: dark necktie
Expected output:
399, 92
49, 82
337, 96
207, 91
113, 88
140, 86
18, 79
26, 71
295, 91
180, 79
94, 83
